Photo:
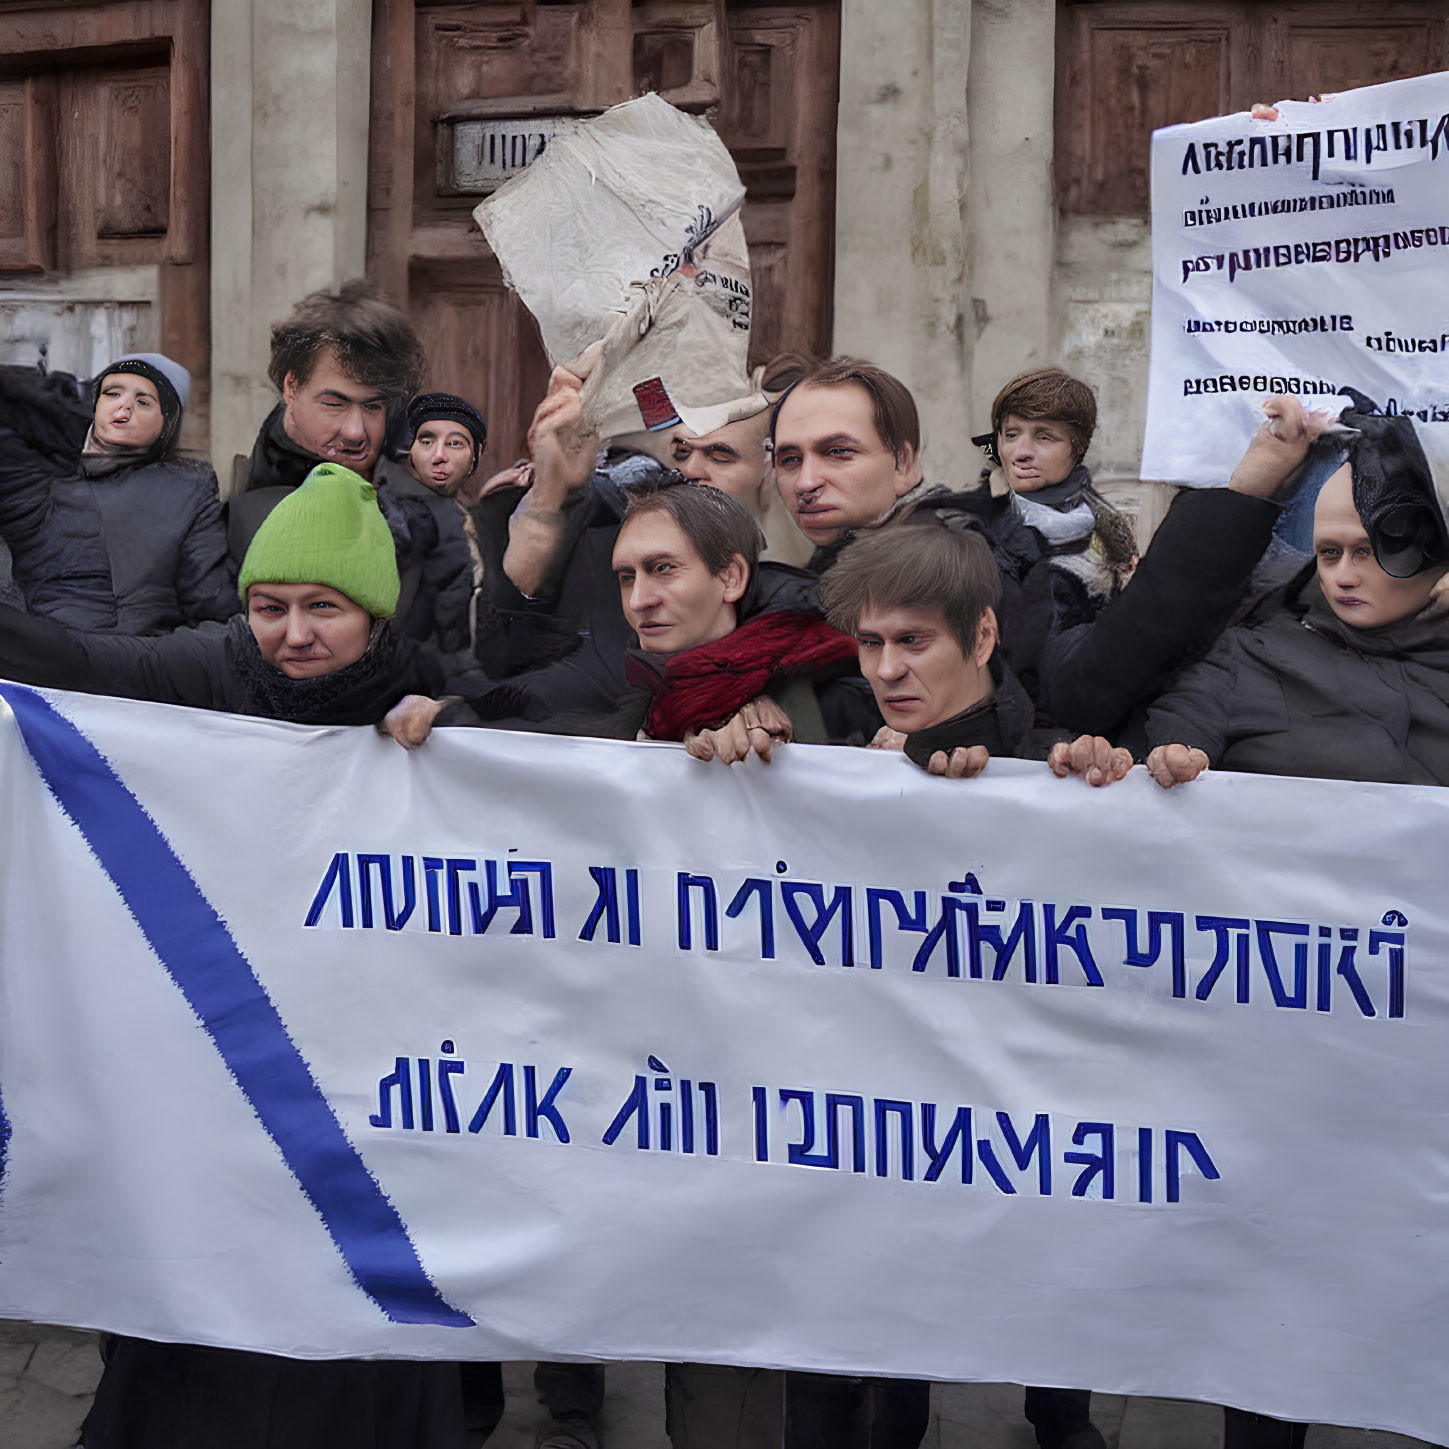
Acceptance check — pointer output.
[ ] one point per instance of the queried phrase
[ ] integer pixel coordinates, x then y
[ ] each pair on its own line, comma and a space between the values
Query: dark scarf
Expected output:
276, 459
1075, 488
978, 725
701, 688
1004, 722
359, 693
1421, 641
99, 458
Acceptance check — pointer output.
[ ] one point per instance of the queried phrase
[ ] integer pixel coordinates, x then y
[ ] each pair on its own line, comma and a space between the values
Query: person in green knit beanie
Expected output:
332, 529
320, 573
314, 646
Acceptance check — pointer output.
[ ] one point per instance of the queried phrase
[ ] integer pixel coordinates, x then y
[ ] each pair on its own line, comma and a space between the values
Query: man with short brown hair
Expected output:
343, 362
847, 443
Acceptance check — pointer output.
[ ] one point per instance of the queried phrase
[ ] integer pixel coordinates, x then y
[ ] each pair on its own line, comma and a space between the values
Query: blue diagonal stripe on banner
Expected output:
197, 949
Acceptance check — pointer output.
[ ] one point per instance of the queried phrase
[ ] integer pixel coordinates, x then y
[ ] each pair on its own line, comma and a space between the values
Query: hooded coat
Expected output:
1293, 690
104, 544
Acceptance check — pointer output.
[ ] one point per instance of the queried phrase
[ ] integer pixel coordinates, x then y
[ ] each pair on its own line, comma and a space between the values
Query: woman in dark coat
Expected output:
1343, 673
108, 530
320, 583
1089, 648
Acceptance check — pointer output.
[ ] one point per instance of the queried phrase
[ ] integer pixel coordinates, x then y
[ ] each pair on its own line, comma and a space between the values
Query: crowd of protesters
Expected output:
799, 576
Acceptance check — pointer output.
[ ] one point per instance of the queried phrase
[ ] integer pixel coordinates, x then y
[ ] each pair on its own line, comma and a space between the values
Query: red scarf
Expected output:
703, 687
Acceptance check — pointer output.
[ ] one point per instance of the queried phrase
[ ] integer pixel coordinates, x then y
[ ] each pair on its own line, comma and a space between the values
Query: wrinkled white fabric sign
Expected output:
524, 1047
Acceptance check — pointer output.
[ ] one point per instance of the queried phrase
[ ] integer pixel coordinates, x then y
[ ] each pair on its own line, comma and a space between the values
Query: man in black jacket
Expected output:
920, 599
342, 362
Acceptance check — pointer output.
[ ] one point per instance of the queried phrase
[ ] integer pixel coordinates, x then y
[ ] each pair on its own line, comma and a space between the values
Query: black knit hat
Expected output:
430, 407
1393, 491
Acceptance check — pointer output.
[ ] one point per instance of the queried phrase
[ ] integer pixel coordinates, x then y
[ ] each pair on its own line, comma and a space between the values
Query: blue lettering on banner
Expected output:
1018, 1154
524, 887
962, 933
693, 1105
965, 934
4, 1146
405, 1097
606, 905
199, 953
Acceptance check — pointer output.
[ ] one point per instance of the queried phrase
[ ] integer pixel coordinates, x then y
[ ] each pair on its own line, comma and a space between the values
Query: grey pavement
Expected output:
47, 1376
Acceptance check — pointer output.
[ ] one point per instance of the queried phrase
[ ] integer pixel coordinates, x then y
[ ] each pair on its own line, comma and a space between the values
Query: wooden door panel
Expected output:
1128, 67
677, 50
27, 173
105, 186
482, 344
766, 75
133, 152
1320, 58
777, 116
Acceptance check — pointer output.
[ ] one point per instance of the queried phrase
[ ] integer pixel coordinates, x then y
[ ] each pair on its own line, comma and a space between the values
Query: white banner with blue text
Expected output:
523, 1047
1299, 255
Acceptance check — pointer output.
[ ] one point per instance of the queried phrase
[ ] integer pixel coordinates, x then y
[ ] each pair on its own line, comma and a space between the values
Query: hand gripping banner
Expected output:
523, 1047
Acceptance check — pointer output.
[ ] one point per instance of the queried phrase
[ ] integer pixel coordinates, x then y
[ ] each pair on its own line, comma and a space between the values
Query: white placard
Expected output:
1297, 256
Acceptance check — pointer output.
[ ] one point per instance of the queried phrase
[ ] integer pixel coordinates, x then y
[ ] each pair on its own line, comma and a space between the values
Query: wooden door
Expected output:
1127, 67
456, 88
104, 188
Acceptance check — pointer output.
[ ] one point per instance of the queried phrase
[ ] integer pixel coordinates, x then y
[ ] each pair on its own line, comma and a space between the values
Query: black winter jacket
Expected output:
1003, 722
1295, 691
435, 564
1087, 654
124, 548
577, 628
214, 666
1104, 656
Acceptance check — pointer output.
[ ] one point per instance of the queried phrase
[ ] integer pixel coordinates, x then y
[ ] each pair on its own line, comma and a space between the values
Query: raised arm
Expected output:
563, 452
1189, 727
1186, 588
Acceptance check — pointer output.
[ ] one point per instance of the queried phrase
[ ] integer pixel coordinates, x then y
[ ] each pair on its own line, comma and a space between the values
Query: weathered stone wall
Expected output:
953, 268
289, 122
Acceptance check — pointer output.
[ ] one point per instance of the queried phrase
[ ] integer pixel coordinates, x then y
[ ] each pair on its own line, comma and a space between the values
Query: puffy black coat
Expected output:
1293, 690
122, 548
1104, 656
435, 564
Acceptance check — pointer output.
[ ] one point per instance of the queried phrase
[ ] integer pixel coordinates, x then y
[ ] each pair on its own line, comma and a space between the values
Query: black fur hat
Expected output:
1393, 491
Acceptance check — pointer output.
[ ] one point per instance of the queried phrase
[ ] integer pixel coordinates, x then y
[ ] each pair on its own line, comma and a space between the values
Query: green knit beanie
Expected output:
329, 531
